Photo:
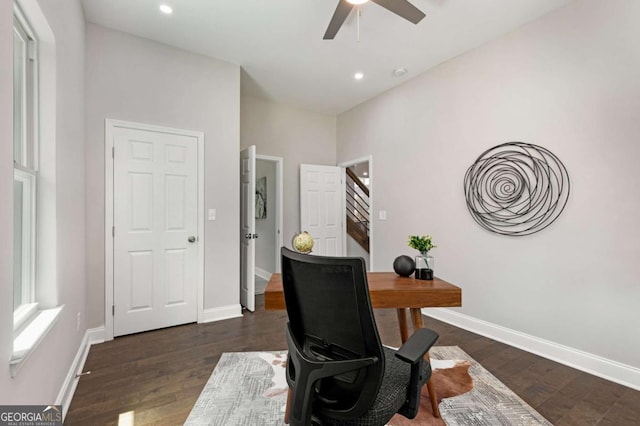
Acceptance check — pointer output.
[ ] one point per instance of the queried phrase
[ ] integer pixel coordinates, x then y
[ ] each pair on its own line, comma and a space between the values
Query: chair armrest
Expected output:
419, 343
413, 351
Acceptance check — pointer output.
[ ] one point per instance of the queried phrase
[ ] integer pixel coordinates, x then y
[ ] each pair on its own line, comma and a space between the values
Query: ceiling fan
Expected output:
401, 8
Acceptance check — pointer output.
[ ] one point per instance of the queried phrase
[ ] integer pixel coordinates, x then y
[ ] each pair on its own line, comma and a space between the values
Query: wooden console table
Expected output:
388, 290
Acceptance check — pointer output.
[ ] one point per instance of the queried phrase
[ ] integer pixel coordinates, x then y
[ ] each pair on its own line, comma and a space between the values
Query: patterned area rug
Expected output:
249, 389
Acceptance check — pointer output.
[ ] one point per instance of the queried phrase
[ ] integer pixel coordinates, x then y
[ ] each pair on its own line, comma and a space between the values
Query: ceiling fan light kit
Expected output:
401, 8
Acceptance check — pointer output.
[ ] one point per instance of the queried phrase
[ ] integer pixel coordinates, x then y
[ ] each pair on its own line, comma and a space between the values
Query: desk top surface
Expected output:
387, 290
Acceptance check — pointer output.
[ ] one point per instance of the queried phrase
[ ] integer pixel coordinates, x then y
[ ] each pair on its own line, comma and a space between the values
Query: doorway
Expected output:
153, 247
261, 213
336, 207
268, 218
358, 223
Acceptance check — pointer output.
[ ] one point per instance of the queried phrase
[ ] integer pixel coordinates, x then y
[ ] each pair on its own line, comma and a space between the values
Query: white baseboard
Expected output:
608, 369
262, 273
222, 313
91, 337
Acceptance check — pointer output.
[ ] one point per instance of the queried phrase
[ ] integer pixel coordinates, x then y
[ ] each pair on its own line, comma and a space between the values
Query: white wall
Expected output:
266, 249
134, 79
298, 136
568, 82
37, 382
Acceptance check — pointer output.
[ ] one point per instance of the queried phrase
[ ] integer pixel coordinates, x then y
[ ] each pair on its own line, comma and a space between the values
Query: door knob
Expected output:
191, 239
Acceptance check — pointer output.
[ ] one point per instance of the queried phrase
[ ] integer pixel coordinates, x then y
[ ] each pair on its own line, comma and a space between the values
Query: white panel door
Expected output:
248, 228
155, 183
321, 210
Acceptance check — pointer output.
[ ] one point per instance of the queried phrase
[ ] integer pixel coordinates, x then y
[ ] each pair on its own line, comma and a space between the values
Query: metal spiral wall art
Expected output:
516, 189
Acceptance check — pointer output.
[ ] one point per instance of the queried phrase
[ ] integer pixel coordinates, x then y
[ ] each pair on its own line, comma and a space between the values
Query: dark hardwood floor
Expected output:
158, 375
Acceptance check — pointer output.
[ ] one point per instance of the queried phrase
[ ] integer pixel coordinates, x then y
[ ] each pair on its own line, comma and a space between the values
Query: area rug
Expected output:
249, 389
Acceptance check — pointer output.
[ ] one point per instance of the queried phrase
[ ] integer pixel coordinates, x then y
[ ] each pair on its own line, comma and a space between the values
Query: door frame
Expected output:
247, 247
109, 126
344, 165
279, 203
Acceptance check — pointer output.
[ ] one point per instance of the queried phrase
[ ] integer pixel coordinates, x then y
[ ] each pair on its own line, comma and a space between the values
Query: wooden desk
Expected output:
388, 290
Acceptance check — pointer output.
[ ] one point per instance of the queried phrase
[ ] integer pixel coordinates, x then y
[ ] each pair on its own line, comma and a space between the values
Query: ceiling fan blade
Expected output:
339, 16
402, 8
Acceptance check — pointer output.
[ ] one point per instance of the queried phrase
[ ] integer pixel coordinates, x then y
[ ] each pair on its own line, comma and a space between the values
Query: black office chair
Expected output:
337, 370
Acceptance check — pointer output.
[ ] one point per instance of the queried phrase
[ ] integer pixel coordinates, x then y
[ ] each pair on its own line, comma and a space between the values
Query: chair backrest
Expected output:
330, 318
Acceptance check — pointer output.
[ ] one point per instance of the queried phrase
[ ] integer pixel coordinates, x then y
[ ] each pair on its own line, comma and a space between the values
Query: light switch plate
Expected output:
212, 214
382, 214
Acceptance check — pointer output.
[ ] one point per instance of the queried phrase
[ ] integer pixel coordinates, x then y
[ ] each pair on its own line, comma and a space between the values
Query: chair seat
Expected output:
391, 396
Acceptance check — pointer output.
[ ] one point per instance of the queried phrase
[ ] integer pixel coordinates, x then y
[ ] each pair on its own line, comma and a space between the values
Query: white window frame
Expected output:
28, 244
26, 168
32, 321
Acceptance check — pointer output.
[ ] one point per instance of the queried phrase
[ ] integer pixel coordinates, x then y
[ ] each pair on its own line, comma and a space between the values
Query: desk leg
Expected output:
287, 412
402, 321
416, 319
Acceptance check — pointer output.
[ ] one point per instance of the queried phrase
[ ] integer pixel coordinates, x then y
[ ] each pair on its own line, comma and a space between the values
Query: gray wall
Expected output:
266, 228
134, 79
37, 382
568, 82
298, 136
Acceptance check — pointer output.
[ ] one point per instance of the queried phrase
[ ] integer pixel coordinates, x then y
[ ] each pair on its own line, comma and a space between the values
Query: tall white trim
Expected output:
110, 125
201, 228
108, 226
279, 204
608, 369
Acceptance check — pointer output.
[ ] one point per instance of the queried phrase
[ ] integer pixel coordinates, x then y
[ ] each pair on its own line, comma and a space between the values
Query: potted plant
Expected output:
424, 262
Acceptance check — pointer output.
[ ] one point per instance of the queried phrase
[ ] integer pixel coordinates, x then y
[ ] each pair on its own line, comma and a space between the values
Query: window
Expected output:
25, 172
35, 301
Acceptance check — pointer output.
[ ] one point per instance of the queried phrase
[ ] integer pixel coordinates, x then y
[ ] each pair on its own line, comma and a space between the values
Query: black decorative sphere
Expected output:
404, 265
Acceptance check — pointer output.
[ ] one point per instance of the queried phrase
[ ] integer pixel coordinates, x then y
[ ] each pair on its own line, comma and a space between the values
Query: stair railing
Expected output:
357, 203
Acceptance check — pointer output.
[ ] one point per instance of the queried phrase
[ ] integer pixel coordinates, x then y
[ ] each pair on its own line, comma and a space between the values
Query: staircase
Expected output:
357, 206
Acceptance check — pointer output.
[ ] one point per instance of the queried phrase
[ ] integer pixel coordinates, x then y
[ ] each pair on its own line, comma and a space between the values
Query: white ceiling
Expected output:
278, 43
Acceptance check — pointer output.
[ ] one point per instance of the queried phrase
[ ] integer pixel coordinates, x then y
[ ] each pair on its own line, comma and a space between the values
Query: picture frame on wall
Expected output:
261, 198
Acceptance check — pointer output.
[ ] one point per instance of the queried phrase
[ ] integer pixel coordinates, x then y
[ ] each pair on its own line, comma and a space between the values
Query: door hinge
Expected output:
113, 231
32, 53
113, 310
113, 152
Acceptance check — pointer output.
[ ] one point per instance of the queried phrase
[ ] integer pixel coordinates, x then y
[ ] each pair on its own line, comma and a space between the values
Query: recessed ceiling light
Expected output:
357, 1
358, 76
400, 72
166, 9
